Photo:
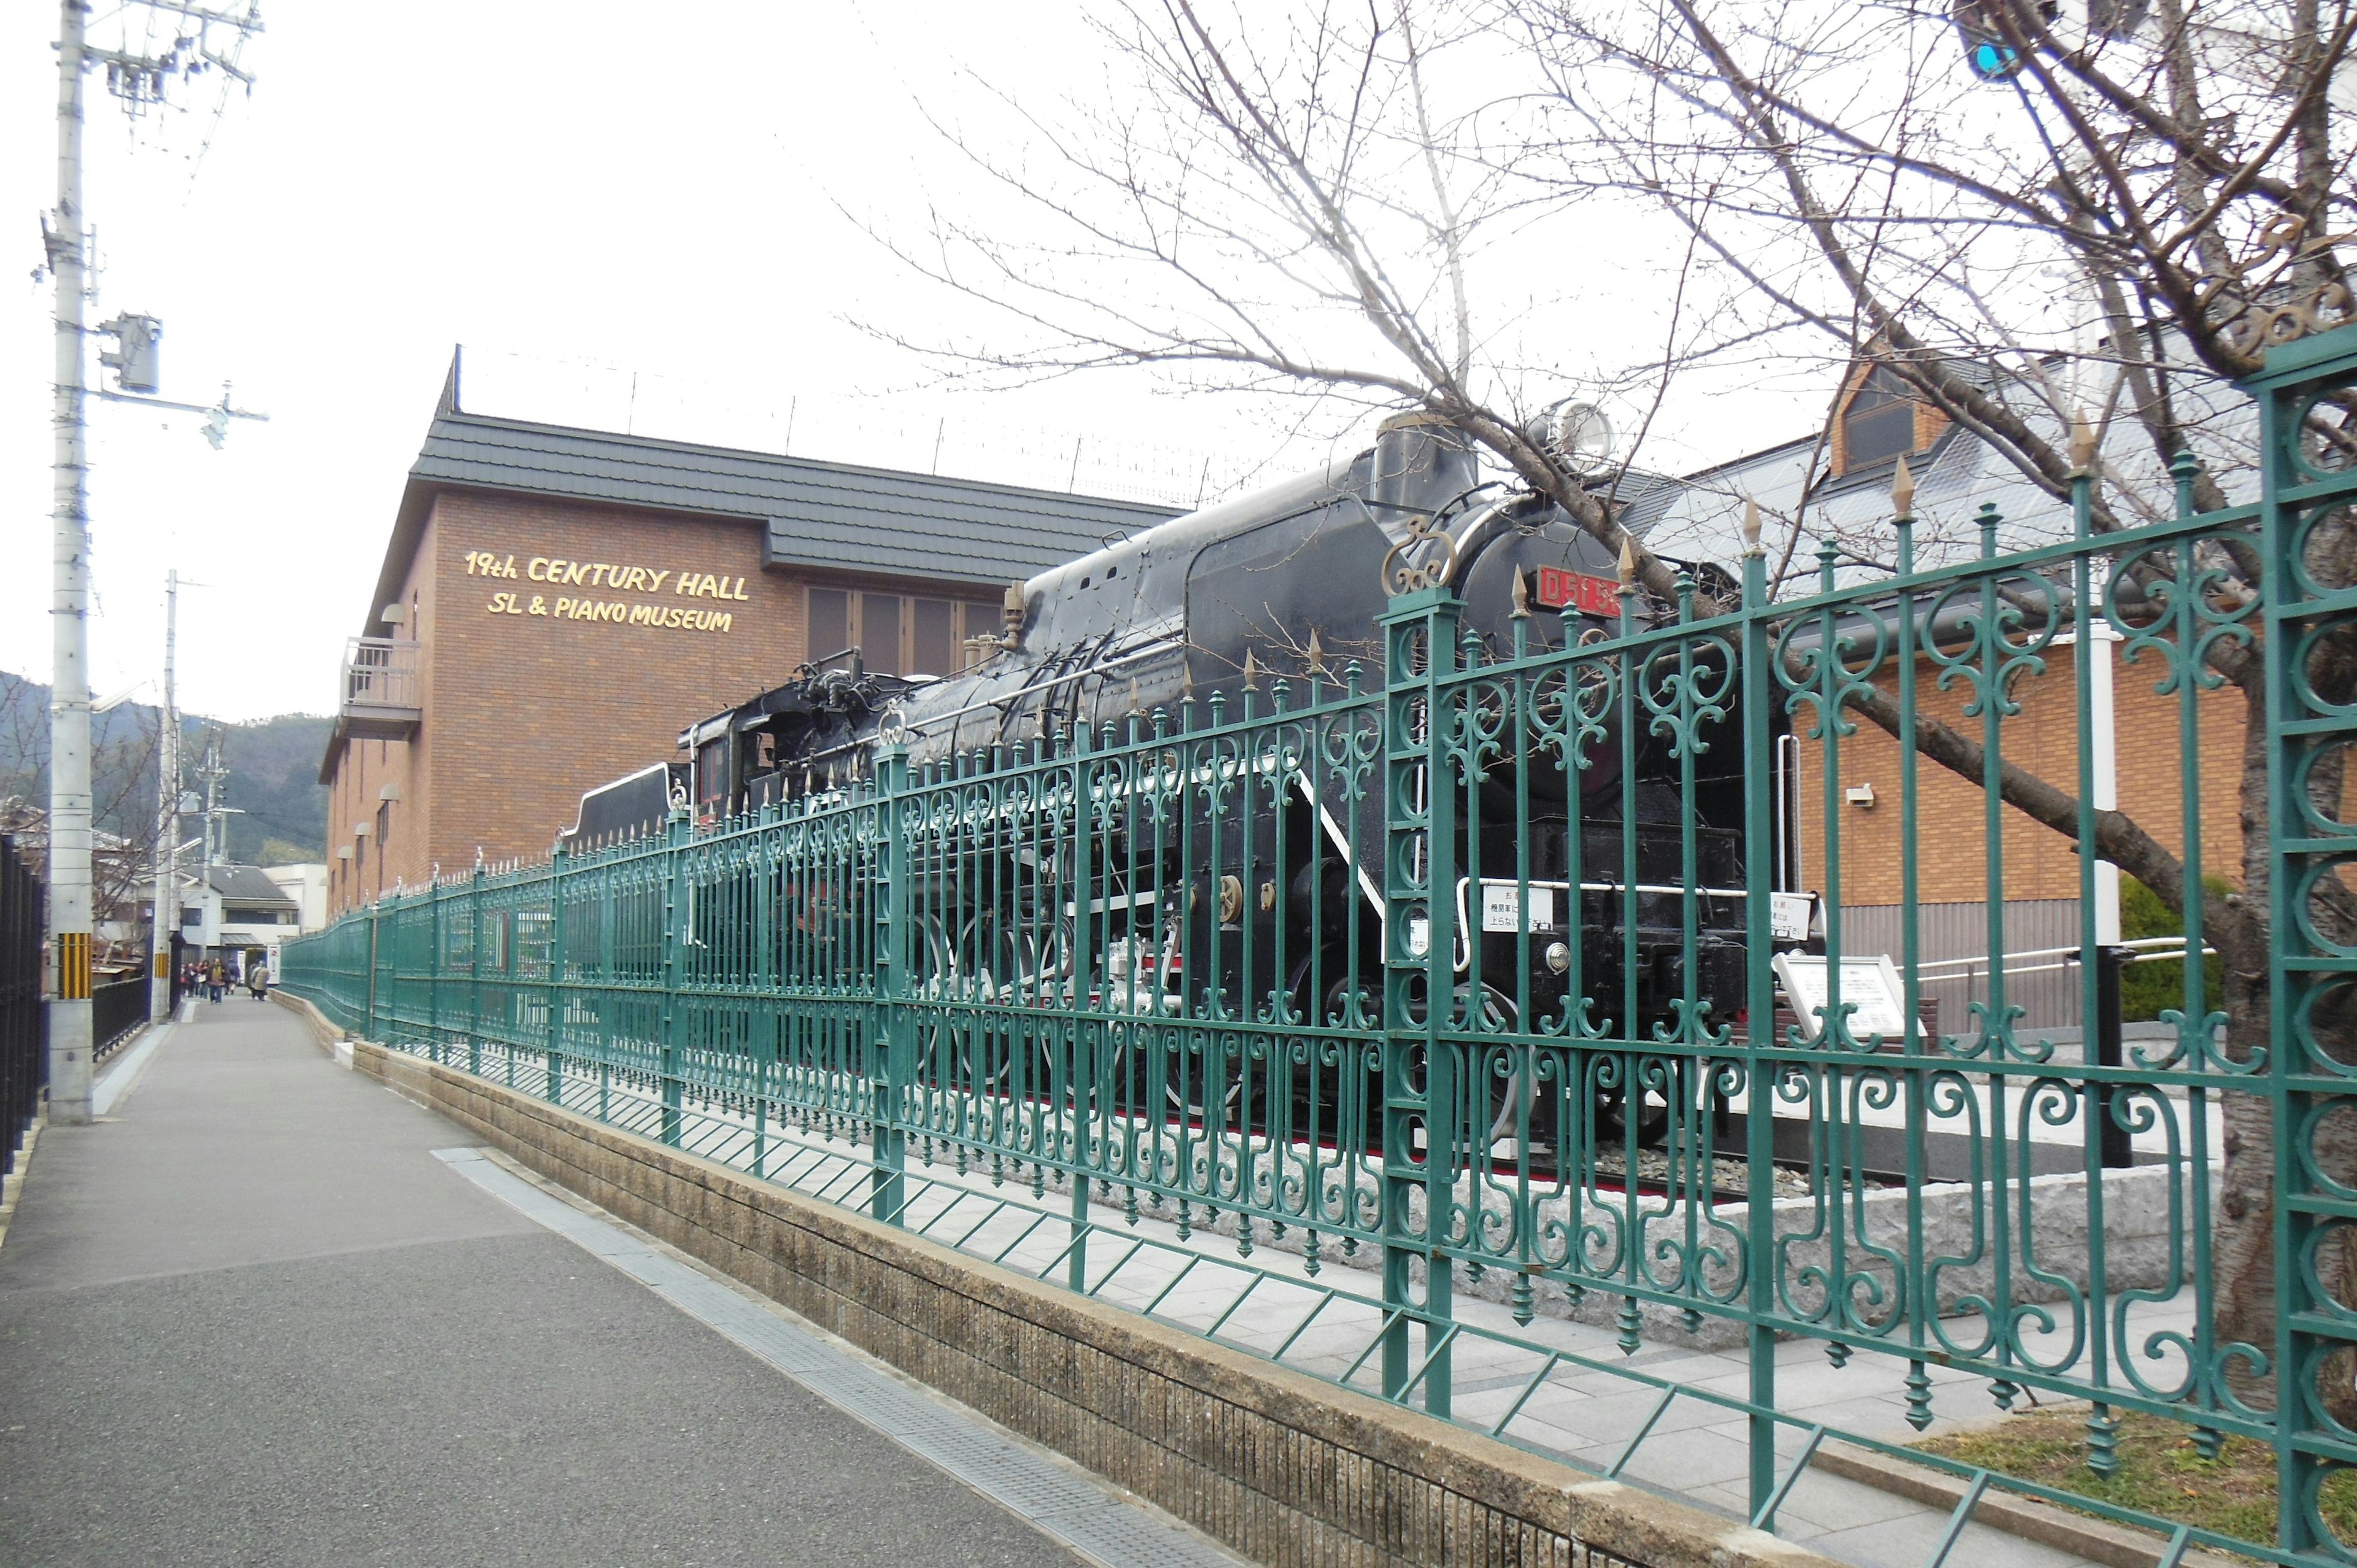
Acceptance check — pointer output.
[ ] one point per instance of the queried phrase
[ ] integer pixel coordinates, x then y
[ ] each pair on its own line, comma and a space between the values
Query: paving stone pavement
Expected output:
249, 1319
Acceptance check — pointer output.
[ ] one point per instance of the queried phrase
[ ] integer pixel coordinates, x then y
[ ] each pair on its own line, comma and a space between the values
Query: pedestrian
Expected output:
215, 978
257, 979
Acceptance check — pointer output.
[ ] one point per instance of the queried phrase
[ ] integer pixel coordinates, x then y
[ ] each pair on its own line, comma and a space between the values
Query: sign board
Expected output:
1870, 984
1499, 910
1789, 916
604, 584
1561, 590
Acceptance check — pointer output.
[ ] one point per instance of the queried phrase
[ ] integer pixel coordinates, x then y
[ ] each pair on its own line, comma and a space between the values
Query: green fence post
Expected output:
556, 1004
1081, 1072
368, 997
676, 936
1419, 983
475, 970
891, 1072
1761, 828
2310, 957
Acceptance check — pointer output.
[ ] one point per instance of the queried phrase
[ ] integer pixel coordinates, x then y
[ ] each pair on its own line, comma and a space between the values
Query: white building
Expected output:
306, 884
229, 911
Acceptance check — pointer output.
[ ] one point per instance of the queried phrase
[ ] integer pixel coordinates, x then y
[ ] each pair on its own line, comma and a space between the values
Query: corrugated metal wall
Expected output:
1961, 930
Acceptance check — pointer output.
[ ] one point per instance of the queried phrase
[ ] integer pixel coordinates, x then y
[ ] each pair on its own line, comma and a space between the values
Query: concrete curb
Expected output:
123, 1071
12, 1188
2097, 1541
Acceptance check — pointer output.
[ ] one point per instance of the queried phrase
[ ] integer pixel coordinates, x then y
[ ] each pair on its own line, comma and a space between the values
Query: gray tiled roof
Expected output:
247, 885
1700, 517
822, 515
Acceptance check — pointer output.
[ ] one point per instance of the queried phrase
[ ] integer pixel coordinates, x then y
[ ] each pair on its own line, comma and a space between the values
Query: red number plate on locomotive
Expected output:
1561, 590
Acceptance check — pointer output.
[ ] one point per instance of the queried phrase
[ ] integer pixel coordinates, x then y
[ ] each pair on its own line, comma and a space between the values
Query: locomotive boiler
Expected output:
1283, 905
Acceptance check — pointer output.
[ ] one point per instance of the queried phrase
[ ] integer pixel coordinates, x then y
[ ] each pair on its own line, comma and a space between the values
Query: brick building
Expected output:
557, 603
1836, 488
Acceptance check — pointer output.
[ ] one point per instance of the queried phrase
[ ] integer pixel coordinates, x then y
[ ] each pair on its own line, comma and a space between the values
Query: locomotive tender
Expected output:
1281, 583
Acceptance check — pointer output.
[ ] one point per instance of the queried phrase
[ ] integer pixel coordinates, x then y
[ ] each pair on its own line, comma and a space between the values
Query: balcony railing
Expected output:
380, 689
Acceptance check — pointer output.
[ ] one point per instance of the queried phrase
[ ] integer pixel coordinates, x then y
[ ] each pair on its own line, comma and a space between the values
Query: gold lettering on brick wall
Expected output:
615, 578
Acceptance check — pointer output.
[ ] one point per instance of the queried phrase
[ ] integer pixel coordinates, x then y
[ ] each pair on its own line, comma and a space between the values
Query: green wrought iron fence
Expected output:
1473, 961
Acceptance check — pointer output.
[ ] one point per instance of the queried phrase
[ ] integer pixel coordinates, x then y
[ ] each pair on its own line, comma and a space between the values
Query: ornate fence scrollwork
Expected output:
1463, 970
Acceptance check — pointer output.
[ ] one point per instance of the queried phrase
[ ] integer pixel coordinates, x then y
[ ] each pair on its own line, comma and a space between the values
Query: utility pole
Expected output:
215, 773
167, 810
69, 911
138, 80
210, 770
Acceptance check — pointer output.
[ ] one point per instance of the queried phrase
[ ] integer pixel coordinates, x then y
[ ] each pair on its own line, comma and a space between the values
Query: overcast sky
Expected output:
583, 196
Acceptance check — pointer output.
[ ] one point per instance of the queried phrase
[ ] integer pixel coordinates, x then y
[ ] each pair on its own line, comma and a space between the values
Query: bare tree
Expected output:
1274, 203
123, 793
2177, 179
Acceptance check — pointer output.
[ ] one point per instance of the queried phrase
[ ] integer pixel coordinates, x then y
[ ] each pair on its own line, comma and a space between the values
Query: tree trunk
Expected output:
2247, 1291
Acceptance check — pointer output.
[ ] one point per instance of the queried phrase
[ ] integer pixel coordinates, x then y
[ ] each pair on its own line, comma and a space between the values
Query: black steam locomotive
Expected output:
1262, 588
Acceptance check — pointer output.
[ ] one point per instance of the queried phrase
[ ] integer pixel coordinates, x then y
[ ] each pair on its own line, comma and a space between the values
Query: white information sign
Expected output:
1500, 911
1789, 915
1870, 984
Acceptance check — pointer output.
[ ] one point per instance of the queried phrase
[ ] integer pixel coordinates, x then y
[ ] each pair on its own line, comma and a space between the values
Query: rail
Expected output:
118, 1008
24, 1014
380, 672
1977, 966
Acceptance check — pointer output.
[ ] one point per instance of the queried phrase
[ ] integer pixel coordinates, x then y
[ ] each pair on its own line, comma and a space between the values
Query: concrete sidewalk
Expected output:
250, 1318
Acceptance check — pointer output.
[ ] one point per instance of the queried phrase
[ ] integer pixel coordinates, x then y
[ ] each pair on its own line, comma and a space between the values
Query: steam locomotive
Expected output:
1285, 583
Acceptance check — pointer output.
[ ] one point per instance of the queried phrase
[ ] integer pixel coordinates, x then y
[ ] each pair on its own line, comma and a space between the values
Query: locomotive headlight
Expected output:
1558, 958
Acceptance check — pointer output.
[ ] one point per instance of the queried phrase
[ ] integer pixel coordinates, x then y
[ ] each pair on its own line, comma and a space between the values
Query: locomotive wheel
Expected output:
1491, 1106
1321, 1082
1612, 1116
997, 965
1187, 1088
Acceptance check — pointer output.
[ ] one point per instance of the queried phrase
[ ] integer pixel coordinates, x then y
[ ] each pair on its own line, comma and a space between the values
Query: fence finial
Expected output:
1902, 491
1251, 673
1317, 654
1628, 559
1751, 545
1521, 610
2083, 444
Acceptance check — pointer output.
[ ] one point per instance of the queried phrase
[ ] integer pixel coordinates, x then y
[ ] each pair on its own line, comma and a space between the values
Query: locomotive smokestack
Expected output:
1422, 462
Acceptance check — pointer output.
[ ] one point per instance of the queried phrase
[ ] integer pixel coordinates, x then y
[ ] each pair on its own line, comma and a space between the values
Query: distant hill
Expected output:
273, 766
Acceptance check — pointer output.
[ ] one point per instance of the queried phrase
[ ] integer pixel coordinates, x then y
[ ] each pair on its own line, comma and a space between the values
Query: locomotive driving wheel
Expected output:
1000, 964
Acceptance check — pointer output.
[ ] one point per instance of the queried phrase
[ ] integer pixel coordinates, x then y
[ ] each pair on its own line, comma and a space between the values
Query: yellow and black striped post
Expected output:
73, 966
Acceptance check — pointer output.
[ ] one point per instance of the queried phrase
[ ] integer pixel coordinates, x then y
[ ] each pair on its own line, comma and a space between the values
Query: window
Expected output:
879, 632
830, 622
932, 638
1880, 421
897, 635
712, 775
383, 825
